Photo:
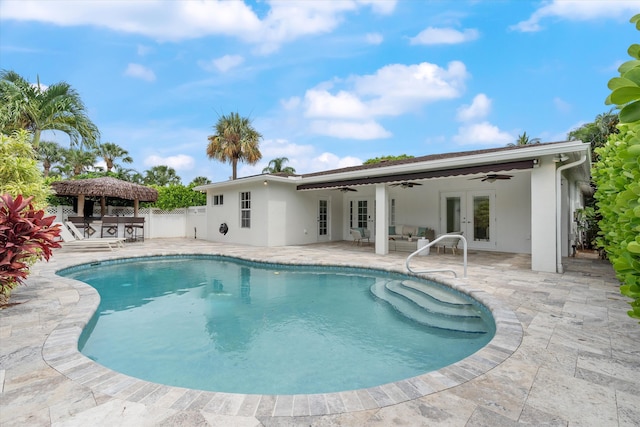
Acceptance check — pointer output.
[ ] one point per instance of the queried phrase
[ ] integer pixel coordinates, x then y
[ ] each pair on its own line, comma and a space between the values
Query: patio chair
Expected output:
450, 242
360, 234
72, 242
118, 241
357, 236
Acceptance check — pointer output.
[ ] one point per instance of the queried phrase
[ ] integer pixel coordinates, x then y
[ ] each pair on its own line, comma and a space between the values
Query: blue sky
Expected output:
327, 83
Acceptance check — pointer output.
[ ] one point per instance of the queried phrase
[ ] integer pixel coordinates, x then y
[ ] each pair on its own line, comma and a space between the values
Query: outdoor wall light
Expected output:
265, 182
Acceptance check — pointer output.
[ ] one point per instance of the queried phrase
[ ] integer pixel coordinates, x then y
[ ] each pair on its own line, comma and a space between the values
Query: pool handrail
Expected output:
428, 245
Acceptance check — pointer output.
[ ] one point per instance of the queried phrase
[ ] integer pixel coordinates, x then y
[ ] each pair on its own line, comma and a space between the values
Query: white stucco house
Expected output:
518, 199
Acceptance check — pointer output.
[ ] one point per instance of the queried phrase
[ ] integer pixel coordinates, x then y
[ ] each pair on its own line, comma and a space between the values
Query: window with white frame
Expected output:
245, 209
218, 199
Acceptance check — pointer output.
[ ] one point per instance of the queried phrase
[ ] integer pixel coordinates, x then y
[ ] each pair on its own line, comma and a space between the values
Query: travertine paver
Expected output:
566, 354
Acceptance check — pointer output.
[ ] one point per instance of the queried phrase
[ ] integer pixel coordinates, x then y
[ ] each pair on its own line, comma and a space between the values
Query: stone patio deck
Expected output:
567, 354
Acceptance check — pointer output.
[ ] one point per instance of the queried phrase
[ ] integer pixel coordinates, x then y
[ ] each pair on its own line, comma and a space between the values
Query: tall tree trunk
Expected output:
234, 167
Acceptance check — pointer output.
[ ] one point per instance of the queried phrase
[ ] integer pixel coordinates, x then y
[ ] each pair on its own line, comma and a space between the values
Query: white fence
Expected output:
185, 222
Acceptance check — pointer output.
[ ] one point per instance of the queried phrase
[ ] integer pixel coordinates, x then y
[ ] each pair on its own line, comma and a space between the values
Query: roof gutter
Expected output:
583, 158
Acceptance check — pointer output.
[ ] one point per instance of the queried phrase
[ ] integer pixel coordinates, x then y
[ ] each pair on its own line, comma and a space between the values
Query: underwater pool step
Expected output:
437, 292
427, 302
409, 309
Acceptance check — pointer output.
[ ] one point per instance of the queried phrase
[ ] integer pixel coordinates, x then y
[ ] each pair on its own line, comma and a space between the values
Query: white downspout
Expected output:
559, 268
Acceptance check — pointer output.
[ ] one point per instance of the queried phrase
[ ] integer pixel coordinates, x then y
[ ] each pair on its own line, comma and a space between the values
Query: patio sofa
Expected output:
399, 236
402, 232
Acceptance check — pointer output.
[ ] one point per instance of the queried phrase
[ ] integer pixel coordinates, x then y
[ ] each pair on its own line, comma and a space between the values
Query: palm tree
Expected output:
110, 152
49, 152
524, 140
80, 161
126, 174
37, 108
275, 166
63, 170
161, 175
235, 140
200, 180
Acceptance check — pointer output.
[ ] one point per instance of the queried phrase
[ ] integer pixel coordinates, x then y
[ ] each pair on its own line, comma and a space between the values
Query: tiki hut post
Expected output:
80, 204
103, 206
135, 207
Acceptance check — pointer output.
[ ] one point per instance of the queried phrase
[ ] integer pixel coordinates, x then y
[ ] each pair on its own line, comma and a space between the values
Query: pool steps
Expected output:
430, 306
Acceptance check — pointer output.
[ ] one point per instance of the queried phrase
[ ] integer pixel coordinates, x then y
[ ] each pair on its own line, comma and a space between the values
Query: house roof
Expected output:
486, 161
491, 160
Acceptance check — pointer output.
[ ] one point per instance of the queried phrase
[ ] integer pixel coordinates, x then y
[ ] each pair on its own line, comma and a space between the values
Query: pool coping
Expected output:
60, 352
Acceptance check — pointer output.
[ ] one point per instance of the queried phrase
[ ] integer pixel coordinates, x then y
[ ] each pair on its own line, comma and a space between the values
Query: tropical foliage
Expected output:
37, 108
524, 139
161, 176
19, 171
597, 132
110, 152
277, 166
176, 196
235, 140
26, 235
617, 175
387, 159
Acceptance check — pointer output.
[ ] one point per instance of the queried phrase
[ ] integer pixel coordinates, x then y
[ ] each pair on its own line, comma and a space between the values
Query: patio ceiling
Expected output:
384, 179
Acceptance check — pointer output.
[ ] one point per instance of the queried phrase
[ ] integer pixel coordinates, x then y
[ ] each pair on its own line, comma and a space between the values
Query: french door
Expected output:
323, 220
472, 213
362, 214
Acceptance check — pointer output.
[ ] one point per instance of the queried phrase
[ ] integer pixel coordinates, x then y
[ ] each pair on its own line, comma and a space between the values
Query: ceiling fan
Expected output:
346, 189
405, 184
492, 177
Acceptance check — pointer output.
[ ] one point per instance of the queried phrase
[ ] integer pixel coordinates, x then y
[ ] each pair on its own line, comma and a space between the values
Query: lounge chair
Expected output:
71, 241
450, 242
360, 234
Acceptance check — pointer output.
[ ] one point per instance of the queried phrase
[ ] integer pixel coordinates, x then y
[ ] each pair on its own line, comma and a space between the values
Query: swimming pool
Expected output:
223, 324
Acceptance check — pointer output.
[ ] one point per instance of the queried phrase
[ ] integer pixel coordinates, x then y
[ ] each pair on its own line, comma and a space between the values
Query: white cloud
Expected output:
479, 109
482, 134
577, 10
292, 103
182, 20
140, 72
330, 161
391, 91
362, 130
222, 64
374, 38
433, 36
320, 103
177, 162
303, 158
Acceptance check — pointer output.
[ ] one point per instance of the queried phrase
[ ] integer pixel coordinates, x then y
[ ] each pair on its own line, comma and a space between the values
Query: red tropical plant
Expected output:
26, 235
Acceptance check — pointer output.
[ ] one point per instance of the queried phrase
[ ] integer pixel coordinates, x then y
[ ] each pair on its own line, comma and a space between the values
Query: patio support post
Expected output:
135, 207
543, 216
382, 220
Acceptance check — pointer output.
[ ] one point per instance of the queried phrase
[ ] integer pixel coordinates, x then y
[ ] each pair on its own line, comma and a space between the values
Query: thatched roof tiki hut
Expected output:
105, 187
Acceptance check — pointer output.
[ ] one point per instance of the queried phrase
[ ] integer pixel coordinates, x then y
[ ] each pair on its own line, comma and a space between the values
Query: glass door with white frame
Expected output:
361, 215
472, 213
323, 220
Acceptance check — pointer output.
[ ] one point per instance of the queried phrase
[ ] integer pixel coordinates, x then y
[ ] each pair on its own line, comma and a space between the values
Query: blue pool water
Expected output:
228, 325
